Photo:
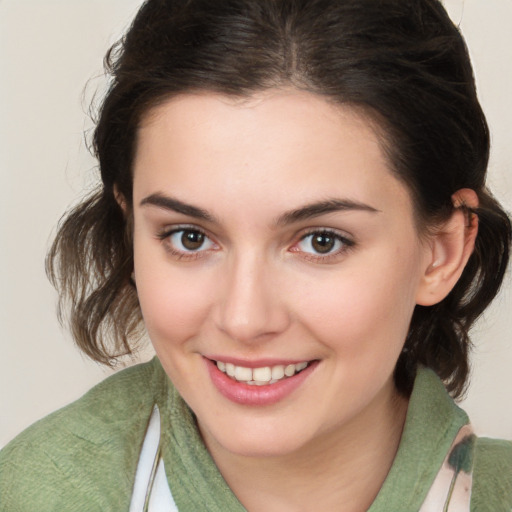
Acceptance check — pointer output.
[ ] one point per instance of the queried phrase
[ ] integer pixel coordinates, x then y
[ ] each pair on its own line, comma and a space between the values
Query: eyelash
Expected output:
166, 238
344, 243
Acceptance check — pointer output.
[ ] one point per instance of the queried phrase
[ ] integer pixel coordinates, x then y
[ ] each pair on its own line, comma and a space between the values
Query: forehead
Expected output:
278, 145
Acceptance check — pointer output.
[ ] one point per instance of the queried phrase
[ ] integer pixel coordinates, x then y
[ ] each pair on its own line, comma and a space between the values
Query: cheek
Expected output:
174, 304
365, 308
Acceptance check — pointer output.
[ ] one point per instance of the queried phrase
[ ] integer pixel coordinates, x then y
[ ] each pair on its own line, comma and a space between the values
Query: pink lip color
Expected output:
246, 394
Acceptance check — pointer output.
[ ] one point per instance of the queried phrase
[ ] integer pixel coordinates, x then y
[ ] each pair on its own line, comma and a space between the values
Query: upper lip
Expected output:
256, 363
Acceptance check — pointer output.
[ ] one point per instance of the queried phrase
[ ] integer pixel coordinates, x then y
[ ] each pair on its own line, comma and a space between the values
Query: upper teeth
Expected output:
260, 376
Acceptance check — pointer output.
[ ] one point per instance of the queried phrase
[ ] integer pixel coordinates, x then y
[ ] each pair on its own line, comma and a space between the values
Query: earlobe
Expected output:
449, 249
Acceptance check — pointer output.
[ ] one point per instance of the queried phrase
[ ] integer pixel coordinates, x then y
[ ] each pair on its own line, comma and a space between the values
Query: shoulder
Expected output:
492, 474
61, 462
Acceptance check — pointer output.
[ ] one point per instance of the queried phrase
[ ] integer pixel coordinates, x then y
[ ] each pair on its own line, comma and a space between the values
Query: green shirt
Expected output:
84, 456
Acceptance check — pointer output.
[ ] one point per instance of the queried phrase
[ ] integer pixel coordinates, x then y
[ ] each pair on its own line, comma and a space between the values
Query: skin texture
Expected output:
256, 289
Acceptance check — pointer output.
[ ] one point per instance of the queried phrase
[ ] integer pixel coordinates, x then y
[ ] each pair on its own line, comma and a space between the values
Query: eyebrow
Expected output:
170, 203
303, 213
323, 207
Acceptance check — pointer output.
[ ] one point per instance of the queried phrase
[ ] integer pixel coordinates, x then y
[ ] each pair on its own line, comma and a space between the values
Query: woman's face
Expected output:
271, 235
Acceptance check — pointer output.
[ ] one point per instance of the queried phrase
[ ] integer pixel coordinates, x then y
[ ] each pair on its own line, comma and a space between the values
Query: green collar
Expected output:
432, 423
195, 481
433, 420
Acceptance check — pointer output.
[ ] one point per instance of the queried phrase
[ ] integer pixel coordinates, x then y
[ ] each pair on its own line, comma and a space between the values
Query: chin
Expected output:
255, 443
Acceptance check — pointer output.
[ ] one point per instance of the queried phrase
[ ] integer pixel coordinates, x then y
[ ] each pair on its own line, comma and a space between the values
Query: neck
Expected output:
347, 466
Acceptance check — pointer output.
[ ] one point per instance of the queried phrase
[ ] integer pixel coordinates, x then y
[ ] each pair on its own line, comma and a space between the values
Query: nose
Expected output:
250, 307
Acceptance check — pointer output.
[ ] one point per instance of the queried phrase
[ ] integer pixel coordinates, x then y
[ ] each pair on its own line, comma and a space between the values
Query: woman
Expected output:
293, 200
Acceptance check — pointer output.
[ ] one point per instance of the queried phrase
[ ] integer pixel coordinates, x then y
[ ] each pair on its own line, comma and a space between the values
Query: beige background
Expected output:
49, 49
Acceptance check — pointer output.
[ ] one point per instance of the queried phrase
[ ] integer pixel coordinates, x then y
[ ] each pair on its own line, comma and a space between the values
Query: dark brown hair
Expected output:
402, 62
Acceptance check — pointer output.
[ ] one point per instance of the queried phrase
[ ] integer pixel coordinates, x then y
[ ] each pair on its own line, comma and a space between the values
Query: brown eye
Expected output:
323, 243
192, 240
188, 240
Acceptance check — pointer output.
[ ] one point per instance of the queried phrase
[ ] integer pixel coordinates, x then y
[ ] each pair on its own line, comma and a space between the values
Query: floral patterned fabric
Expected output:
451, 489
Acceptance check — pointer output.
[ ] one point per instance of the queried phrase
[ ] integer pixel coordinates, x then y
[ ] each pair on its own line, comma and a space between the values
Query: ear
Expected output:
449, 250
120, 199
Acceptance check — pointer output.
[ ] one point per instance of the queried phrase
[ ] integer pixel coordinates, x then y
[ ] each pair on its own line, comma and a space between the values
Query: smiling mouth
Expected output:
261, 376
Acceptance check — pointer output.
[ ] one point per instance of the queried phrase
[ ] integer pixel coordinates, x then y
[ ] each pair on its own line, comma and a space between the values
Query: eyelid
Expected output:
347, 244
165, 234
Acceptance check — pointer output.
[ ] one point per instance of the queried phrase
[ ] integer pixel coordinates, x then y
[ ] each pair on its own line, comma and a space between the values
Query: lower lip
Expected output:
245, 394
